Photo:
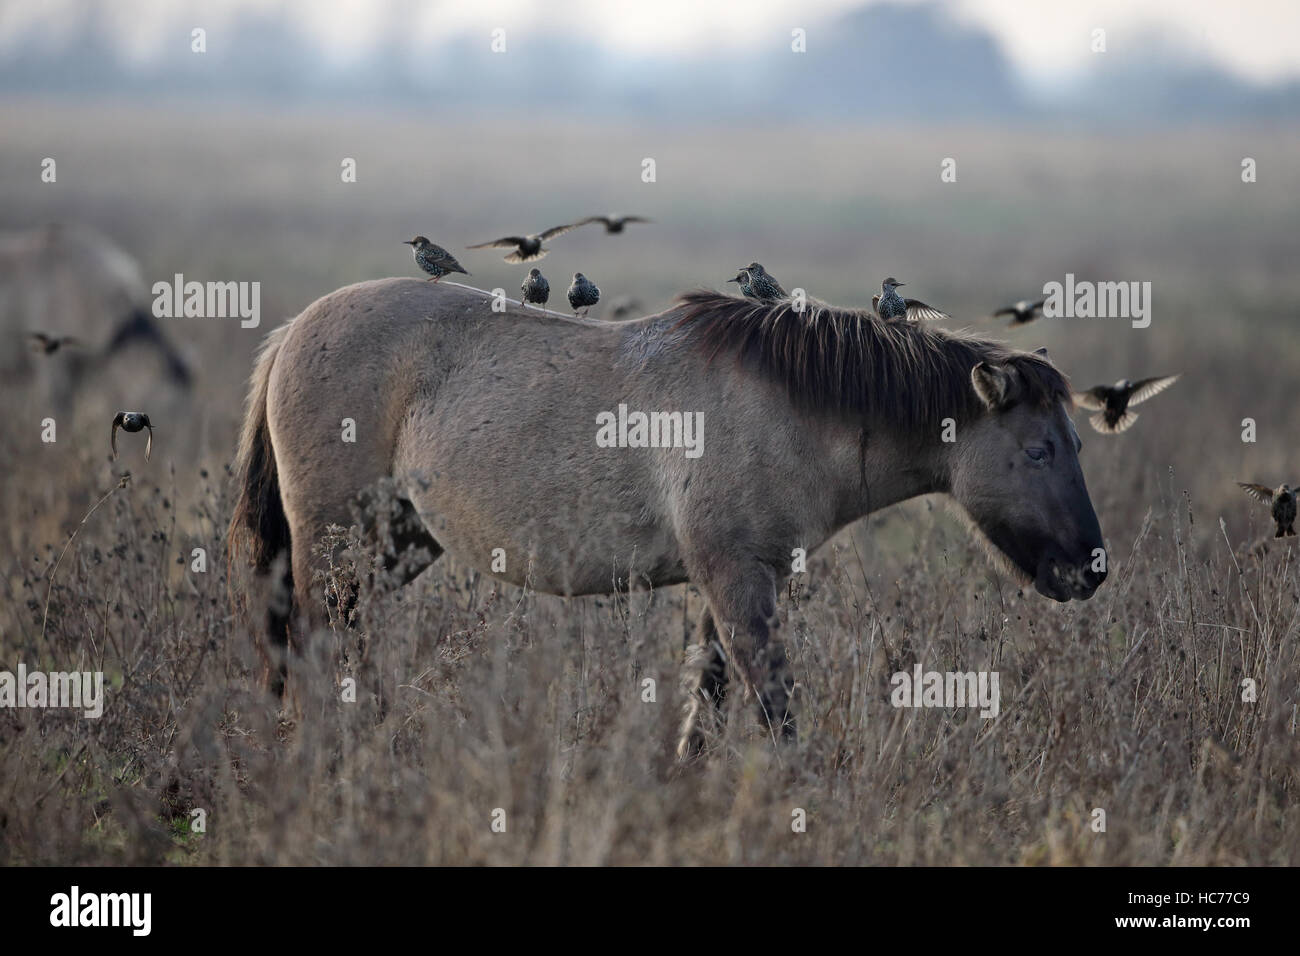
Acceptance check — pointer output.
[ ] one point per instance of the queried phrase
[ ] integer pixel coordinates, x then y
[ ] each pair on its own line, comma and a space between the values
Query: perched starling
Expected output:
624, 306
535, 288
49, 344
757, 283
1282, 502
132, 422
613, 224
1022, 312
583, 294
526, 247
433, 259
890, 305
1111, 402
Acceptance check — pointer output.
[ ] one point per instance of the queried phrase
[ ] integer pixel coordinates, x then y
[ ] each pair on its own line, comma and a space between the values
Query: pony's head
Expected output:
1015, 470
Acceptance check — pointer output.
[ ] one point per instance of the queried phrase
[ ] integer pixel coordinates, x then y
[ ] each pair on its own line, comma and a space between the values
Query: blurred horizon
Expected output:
875, 62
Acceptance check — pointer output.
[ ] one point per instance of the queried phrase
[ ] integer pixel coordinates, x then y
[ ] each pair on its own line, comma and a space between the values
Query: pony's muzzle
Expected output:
1063, 580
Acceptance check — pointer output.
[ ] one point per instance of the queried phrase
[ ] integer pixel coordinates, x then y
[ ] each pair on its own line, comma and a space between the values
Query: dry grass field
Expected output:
474, 696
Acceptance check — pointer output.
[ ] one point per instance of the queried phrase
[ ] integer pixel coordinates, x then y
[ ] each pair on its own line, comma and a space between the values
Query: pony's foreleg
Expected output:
705, 683
742, 599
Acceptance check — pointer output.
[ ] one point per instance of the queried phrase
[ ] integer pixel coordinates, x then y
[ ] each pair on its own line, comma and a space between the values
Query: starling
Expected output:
757, 283
1283, 505
1111, 402
526, 247
433, 259
535, 288
132, 422
49, 344
583, 294
1022, 312
613, 224
890, 305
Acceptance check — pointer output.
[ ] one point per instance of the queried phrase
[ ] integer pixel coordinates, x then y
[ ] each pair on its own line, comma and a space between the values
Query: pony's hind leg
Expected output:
705, 683
742, 600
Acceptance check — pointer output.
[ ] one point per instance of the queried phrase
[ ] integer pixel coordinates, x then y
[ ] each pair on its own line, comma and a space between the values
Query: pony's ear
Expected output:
992, 384
1041, 351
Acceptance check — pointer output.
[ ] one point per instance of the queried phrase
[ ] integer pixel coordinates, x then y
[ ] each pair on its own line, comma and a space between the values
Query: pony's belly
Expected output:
564, 564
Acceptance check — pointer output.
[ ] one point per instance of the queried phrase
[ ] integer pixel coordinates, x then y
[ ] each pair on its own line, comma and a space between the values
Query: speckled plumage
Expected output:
757, 283
890, 305
535, 287
1281, 502
131, 422
1111, 402
583, 293
434, 259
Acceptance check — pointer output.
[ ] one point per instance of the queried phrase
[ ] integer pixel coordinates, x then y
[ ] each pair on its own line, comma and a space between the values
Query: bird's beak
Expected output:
736, 279
900, 283
408, 242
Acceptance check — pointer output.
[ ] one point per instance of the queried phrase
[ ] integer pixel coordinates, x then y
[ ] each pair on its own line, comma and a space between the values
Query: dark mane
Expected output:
907, 373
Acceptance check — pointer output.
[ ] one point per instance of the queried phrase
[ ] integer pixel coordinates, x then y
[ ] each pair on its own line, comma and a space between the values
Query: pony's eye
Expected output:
1036, 454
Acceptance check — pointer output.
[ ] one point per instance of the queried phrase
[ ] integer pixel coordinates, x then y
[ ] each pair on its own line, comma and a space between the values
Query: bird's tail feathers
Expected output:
1123, 423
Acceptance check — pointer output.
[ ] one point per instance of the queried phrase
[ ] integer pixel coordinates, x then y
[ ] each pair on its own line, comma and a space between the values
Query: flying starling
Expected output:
583, 294
1022, 312
1282, 502
49, 344
1111, 402
613, 224
890, 305
535, 288
526, 247
132, 422
757, 283
433, 259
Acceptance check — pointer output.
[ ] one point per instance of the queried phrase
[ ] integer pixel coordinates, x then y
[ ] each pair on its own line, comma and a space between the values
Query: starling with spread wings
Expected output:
132, 422
526, 248
1022, 312
890, 305
1112, 402
1281, 502
613, 224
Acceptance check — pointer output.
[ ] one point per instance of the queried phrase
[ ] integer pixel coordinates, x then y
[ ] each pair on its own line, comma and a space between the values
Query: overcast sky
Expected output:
1047, 41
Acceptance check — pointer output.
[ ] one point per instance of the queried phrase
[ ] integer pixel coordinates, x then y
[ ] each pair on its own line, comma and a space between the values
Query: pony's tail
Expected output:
258, 525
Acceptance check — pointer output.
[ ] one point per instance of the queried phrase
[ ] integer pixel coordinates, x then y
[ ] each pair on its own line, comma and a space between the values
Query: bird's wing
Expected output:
439, 254
1035, 306
118, 419
636, 219
70, 340
1145, 388
148, 445
1258, 492
919, 311
1123, 423
1093, 398
504, 243
518, 256
39, 340
590, 219
561, 230
1009, 310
